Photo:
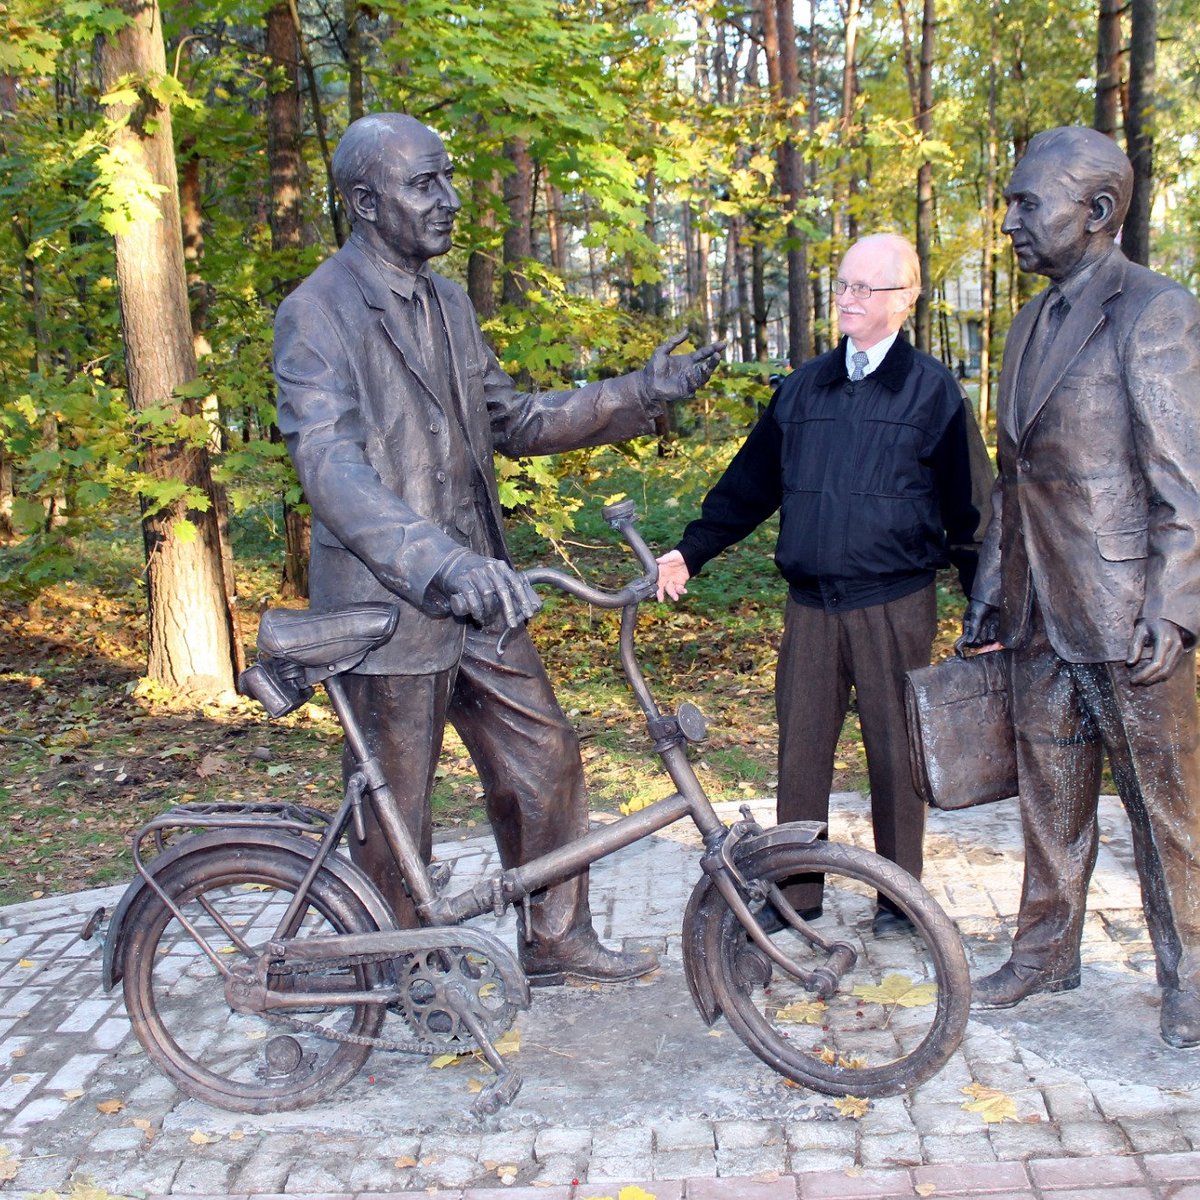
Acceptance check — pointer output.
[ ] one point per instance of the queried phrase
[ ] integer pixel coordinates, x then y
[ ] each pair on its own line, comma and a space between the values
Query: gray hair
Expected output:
901, 250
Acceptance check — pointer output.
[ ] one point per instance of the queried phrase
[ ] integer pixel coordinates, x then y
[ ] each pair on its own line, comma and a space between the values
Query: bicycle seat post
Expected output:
401, 842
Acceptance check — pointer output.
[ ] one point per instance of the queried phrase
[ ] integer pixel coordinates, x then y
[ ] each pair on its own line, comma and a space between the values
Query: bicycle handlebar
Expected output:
622, 517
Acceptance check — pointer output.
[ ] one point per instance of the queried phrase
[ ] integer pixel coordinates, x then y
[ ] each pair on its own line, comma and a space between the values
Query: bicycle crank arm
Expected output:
508, 1083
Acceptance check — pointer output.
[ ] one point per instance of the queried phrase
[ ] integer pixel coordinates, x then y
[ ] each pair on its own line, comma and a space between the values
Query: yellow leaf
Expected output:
852, 1106
839, 765
9, 1166
509, 1042
227, 950
199, 1138
925, 1189
26, 962
633, 804
474, 1086
140, 1123
73, 1094
443, 1060
237, 1135
256, 1035
404, 1163
21, 1078
633, 1192
803, 1012
255, 887
108, 1107
898, 990
18, 1052
991, 1104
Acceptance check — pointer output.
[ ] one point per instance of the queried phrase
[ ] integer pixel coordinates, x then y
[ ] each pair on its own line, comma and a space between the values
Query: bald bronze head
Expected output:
395, 179
1066, 200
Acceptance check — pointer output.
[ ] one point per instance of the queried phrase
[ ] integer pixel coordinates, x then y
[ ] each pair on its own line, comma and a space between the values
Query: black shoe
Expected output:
770, 921
1179, 1020
1014, 981
588, 960
886, 921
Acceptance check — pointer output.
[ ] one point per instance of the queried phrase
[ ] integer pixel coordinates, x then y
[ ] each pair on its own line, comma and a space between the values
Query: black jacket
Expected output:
873, 480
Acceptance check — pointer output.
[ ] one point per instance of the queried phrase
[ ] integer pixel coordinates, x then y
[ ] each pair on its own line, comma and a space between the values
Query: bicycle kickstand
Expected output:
508, 1082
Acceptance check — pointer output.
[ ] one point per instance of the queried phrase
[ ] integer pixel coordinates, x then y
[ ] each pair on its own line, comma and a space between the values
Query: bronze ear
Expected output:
1101, 211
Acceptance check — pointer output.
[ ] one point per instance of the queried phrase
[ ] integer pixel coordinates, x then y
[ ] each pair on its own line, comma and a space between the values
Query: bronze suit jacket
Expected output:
377, 451
1096, 506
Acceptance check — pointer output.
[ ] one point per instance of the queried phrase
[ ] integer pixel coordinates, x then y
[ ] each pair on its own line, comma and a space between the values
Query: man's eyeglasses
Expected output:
862, 291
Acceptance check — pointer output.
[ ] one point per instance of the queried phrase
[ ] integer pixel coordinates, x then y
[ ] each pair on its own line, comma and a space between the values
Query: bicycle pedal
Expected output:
497, 1095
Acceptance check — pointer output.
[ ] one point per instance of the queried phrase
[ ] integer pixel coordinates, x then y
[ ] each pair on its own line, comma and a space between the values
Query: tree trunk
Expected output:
758, 292
1108, 67
518, 237
1139, 128
987, 265
651, 290
285, 113
354, 65
791, 173
191, 629
841, 187
556, 228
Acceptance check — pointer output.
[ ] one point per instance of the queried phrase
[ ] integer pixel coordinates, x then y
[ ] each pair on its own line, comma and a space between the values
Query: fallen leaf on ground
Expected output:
237, 1135
108, 1107
73, 1094
26, 962
803, 1012
991, 1104
20, 1078
899, 990
925, 1189
199, 1138
633, 1192
852, 1106
405, 1162
9, 1166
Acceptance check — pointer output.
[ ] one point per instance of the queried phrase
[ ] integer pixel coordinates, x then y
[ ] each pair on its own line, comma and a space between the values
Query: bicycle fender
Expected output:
345, 871
706, 906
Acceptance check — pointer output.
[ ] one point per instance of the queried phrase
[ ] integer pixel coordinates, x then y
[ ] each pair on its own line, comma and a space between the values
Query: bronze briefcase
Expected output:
960, 734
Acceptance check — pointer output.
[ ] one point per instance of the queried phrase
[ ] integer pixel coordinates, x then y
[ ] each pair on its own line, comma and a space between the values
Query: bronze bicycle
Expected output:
261, 967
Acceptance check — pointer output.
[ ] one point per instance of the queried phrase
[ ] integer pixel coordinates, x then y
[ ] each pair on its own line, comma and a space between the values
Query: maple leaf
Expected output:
199, 1138
852, 1106
9, 1166
108, 1107
898, 990
803, 1012
991, 1104
635, 1193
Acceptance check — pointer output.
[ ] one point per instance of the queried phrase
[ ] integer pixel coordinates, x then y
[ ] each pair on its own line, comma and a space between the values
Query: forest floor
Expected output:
91, 750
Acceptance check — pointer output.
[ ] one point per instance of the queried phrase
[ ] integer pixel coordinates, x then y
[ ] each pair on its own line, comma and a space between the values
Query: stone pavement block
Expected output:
967, 1175
1154, 1135
747, 1135
1173, 1167
933, 1119
209, 1176
958, 1148
889, 1115
783, 1188
551, 1141
1123, 1099
17, 1087
894, 1150
1103, 1193
699, 1162
683, 1135
129, 1174
611, 1141
821, 1135
812, 1161
617, 1170
43, 1108
759, 1161
1091, 1137
1069, 1102
517, 1193
263, 1173
75, 1072
855, 1185
507, 1146
1013, 1142
1099, 1171
560, 1169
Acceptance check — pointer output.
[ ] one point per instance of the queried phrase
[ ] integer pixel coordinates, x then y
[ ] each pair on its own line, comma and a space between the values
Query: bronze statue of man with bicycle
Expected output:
391, 405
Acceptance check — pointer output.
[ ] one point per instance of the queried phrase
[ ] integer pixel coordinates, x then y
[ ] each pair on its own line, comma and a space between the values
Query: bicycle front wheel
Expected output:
175, 996
896, 1015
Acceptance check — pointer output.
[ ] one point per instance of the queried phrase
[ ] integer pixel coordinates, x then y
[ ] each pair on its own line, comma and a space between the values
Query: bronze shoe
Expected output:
1180, 1018
1014, 981
587, 960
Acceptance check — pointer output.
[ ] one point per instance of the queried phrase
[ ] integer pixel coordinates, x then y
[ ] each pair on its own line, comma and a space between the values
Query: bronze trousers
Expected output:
526, 753
1067, 715
821, 656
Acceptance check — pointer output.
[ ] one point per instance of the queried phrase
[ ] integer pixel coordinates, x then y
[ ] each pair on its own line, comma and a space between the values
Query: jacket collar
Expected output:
891, 373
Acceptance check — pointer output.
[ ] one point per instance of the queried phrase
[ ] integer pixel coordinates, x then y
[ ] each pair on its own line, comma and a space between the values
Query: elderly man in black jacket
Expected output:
391, 405
866, 451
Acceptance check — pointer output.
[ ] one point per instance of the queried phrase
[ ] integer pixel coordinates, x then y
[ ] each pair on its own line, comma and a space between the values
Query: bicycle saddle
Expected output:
332, 641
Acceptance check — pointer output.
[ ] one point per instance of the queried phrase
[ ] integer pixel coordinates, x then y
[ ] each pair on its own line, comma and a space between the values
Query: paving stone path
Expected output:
625, 1084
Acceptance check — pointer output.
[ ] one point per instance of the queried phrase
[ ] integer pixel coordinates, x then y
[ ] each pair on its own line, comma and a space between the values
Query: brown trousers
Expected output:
526, 753
822, 655
1066, 716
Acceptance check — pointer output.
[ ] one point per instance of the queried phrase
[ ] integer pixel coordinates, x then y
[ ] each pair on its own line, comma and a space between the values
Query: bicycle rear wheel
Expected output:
895, 1017
175, 997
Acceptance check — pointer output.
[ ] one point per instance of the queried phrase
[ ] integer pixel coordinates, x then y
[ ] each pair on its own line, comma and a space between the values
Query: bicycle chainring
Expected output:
434, 983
